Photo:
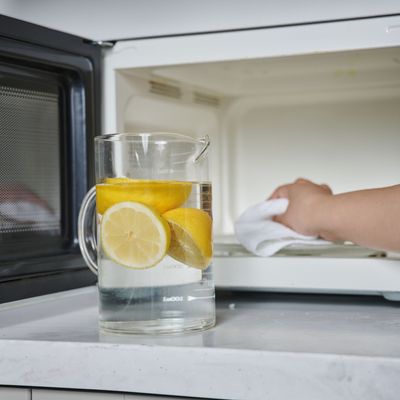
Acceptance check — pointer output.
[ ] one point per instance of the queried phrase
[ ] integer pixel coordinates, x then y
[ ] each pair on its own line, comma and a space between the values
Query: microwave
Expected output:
315, 100
49, 114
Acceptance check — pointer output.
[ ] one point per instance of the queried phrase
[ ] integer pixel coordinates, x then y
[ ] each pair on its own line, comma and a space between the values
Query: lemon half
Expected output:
191, 236
161, 195
133, 235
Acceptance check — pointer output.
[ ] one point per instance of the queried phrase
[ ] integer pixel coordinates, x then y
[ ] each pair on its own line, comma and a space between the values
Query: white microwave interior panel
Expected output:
325, 73
333, 118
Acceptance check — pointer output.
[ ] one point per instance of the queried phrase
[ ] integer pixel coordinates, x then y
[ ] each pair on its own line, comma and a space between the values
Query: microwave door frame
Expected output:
76, 61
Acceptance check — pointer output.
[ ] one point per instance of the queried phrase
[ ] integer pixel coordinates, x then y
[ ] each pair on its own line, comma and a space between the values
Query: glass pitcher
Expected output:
153, 247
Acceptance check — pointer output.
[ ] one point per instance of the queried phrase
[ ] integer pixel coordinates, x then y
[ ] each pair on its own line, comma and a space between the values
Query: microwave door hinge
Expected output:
103, 44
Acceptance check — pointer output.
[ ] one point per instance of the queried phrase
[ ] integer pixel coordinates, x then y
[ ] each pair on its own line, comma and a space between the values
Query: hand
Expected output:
306, 206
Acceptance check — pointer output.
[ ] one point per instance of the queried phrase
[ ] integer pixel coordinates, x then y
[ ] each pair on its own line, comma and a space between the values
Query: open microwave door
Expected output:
49, 114
321, 94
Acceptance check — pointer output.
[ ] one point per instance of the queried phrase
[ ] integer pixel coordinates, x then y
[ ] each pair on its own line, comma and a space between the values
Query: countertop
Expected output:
264, 346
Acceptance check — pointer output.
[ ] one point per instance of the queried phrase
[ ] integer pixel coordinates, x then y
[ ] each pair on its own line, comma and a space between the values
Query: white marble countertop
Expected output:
264, 346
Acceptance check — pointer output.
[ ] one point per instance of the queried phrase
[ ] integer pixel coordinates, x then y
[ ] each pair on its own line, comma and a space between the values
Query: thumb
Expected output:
281, 218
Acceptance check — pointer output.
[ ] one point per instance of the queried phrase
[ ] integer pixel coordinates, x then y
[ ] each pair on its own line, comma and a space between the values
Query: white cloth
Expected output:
259, 234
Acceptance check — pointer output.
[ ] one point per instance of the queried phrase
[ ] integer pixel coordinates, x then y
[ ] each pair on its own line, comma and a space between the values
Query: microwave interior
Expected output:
332, 118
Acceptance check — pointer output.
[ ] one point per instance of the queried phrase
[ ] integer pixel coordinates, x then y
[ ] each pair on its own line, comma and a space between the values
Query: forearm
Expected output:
369, 218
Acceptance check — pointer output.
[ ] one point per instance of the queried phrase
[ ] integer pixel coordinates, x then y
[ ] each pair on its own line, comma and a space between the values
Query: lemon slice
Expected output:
161, 195
191, 236
133, 235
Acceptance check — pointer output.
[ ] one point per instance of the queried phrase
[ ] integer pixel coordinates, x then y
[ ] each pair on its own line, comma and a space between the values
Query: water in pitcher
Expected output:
155, 255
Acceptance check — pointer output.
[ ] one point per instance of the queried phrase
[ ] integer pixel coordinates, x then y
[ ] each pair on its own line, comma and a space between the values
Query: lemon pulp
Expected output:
160, 195
133, 235
191, 236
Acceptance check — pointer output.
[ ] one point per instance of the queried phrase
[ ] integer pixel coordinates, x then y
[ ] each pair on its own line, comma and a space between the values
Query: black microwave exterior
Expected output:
36, 58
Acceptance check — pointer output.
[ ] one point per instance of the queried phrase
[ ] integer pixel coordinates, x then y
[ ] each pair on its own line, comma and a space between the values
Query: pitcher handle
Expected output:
86, 233
206, 141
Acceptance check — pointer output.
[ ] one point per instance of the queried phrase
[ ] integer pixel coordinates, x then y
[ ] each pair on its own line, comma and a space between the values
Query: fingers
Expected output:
302, 180
283, 191
327, 188
278, 218
322, 185
280, 192
282, 219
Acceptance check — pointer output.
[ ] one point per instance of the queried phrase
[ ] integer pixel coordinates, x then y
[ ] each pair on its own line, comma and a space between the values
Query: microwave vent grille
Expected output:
165, 89
206, 99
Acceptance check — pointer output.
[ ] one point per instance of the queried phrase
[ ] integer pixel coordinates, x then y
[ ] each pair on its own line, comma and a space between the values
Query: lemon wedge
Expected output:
191, 236
160, 195
133, 235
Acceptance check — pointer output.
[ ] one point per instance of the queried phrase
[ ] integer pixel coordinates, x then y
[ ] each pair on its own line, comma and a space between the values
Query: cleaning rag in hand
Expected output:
259, 234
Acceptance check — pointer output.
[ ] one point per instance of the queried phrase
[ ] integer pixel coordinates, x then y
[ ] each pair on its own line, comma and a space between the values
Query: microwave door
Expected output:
316, 100
49, 114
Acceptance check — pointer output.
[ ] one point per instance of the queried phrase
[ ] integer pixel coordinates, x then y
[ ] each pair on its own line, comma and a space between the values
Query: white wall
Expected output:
105, 19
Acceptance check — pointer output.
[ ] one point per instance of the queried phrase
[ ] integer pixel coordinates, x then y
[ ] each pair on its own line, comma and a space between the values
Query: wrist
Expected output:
324, 217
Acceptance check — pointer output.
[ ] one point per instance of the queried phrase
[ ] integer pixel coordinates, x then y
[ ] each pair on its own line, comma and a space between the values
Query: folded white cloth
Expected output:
259, 234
